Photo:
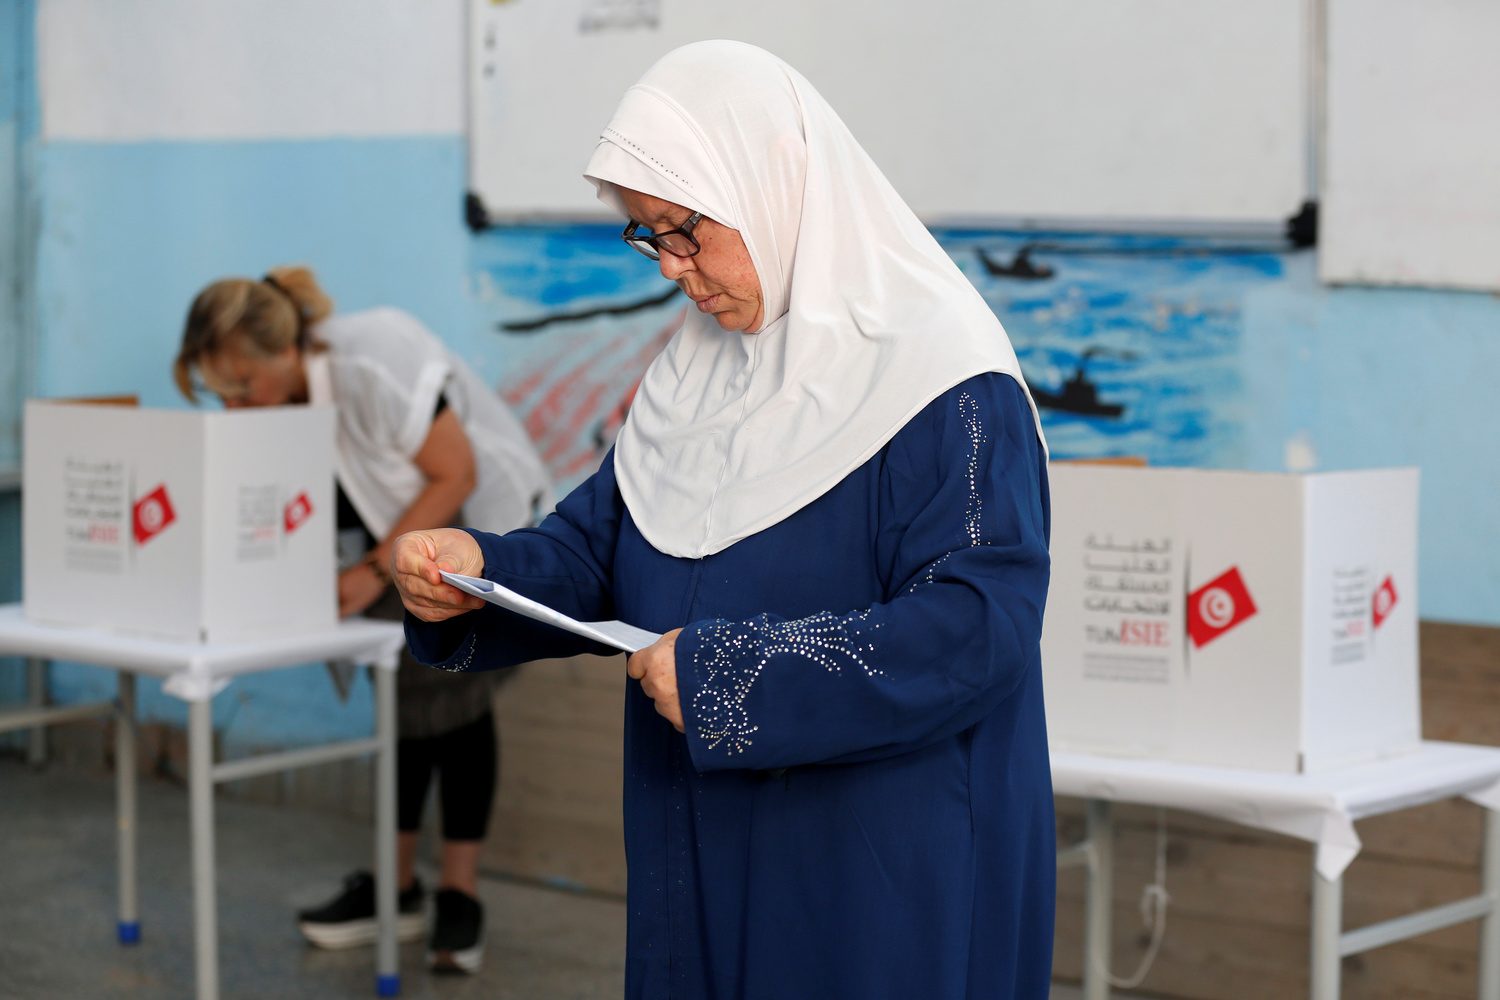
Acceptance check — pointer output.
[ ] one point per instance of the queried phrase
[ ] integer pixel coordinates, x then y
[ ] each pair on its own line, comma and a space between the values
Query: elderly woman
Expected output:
831, 497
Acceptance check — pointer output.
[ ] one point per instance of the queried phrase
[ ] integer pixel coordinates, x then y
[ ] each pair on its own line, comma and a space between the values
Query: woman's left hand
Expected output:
656, 668
359, 587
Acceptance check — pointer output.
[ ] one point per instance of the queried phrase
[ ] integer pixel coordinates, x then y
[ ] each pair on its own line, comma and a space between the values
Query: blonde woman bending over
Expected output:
422, 443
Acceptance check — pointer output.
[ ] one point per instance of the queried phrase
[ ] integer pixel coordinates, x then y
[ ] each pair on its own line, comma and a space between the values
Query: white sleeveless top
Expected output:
384, 371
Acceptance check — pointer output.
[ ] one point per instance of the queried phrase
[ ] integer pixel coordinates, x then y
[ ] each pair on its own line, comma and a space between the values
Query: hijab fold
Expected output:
867, 320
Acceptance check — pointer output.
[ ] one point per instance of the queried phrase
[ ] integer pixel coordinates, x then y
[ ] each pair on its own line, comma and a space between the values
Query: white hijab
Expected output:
866, 319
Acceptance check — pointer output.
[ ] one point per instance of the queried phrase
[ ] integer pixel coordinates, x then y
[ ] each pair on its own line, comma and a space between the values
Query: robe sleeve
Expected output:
566, 562
963, 540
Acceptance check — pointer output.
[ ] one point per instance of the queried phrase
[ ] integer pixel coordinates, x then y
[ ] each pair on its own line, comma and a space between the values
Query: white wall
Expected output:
132, 70
1412, 181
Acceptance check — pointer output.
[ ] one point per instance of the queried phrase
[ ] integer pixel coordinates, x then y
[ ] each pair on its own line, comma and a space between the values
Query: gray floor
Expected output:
57, 923
57, 906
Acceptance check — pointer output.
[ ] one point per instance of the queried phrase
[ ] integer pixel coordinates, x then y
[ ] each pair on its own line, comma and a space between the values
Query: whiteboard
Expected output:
975, 109
1412, 177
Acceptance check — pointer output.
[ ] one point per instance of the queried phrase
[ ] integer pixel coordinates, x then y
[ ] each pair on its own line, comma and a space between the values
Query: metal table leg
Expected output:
201, 805
36, 691
1489, 928
1098, 897
125, 807
387, 956
1327, 929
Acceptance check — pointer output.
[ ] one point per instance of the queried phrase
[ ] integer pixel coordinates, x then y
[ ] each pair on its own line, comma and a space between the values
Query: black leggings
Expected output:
468, 759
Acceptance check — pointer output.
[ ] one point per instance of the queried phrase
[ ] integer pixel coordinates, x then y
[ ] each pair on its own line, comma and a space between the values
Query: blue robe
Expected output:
861, 806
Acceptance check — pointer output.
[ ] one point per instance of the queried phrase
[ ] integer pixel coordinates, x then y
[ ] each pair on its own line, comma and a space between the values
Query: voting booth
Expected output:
1250, 620
209, 526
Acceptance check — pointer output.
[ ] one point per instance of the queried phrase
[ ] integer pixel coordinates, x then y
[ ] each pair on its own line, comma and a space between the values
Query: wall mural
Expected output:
1130, 344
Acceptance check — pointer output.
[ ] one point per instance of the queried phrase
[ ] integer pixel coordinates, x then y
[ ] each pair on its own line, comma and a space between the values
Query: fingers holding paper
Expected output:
417, 561
656, 668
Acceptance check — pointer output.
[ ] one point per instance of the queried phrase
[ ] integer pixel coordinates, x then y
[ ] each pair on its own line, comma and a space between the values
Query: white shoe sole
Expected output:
409, 927
468, 960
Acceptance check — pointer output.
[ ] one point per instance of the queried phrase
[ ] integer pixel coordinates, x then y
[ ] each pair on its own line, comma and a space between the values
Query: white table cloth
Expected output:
196, 670
1319, 807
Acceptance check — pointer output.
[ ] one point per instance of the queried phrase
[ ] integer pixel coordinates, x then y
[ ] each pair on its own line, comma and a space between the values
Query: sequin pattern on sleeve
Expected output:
968, 411
459, 666
733, 654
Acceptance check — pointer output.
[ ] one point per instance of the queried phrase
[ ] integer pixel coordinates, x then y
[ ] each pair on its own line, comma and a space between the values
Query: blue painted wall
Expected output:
131, 232
19, 113
18, 126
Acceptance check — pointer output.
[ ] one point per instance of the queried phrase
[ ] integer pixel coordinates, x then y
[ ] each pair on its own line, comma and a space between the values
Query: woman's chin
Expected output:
734, 321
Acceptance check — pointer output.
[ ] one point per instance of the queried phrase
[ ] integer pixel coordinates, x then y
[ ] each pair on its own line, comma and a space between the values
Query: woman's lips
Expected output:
706, 305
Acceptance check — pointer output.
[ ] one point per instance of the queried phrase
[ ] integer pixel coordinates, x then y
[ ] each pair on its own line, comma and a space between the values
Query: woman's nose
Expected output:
673, 266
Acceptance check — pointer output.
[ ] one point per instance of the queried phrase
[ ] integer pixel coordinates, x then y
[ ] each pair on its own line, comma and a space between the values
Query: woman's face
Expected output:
720, 279
240, 378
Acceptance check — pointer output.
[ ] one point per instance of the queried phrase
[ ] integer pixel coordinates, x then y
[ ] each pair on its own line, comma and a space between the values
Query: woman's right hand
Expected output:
417, 559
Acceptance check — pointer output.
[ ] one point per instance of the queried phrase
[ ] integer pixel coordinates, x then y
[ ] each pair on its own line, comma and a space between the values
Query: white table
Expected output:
1320, 808
196, 672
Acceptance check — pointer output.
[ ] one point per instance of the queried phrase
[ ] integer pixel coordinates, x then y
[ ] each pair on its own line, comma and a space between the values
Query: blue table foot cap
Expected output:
388, 985
130, 932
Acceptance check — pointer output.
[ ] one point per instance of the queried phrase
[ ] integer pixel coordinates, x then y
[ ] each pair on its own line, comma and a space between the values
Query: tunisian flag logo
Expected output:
152, 514
1218, 606
1383, 601
296, 513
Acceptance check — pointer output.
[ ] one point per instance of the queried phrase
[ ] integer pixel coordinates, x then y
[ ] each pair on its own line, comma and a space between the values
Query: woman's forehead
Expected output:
649, 208
227, 366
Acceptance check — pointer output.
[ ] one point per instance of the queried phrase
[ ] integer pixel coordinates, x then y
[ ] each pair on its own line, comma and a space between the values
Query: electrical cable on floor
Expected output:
1154, 900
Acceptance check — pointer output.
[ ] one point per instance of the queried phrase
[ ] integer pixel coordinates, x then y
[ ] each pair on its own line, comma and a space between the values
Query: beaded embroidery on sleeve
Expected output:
457, 666
733, 654
968, 411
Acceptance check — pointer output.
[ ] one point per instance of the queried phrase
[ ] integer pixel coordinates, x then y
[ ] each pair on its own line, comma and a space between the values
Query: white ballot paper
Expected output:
616, 634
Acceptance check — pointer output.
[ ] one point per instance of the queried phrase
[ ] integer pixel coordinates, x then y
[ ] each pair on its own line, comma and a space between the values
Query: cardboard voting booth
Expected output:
208, 526
1239, 619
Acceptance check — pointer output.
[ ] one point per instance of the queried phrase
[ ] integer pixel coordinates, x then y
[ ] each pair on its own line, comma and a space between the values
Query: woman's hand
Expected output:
359, 587
417, 559
656, 668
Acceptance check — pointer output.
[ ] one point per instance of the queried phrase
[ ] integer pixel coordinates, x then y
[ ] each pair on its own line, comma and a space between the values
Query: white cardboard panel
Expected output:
1102, 542
84, 474
270, 519
1360, 689
1240, 702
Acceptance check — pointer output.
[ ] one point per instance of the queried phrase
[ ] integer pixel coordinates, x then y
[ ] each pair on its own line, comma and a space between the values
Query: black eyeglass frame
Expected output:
649, 245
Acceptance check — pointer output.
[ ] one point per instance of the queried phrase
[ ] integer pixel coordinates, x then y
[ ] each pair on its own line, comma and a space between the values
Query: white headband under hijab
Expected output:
866, 319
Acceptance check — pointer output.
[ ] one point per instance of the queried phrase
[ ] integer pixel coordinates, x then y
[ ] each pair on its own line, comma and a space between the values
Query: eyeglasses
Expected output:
678, 242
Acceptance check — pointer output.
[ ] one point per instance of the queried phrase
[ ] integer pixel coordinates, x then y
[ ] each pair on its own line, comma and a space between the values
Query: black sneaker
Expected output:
348, 920
457, 933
